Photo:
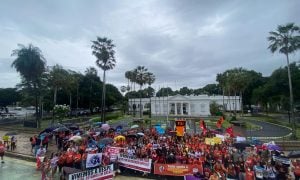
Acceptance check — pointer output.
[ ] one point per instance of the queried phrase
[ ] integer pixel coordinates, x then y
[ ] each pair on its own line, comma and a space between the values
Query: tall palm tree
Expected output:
30, 63
150, 79
286, 40
129, 77
141, 78
103, 50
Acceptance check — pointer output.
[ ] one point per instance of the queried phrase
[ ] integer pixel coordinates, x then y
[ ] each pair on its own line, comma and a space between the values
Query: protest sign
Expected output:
113, 152
143, 165
93, 160
177, 169
102, 173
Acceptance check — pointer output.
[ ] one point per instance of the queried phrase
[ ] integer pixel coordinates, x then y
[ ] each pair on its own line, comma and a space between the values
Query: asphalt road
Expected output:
268, 130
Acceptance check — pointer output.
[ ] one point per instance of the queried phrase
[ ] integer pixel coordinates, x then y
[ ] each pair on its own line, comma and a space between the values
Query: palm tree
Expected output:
30, 63
284, 41
141, 78
150, 78
103, 50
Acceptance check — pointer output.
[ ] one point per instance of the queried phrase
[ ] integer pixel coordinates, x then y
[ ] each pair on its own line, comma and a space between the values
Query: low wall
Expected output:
289, 145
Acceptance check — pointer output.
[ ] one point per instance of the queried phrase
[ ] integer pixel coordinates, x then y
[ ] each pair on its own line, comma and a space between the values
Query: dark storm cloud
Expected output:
184, 43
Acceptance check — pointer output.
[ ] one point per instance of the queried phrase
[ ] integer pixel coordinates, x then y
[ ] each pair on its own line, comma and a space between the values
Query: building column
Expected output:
175, 108
181, 109
189, 112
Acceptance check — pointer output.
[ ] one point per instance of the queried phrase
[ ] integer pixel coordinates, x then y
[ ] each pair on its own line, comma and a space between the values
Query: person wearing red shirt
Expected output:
249, 175
2, 150
61, 161
77, 160
296, 165
69, 159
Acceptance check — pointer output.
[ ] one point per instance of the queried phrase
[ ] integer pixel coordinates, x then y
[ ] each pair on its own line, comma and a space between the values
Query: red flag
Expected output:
203, 127
230, 131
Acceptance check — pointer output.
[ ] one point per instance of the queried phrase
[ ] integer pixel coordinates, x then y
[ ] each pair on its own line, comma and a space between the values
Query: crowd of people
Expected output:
225, 160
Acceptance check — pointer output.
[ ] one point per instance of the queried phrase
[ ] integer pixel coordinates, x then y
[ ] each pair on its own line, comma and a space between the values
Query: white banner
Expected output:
143, 165
93, 160
240, 139
220, 136
102, 173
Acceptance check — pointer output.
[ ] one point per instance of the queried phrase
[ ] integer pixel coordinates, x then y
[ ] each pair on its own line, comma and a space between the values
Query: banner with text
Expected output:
102, 173
113, 152
143, 165
177, 169
93, 160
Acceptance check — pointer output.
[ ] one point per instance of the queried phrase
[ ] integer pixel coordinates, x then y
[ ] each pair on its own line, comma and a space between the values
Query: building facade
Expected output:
178, 105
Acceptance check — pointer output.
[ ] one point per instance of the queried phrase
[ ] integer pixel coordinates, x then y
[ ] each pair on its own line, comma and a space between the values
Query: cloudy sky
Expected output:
184, 43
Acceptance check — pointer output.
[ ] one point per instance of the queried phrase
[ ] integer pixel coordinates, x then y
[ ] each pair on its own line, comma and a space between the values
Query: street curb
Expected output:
277, 137
20, 156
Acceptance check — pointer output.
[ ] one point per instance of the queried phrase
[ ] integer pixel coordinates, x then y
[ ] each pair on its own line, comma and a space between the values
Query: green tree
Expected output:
165, 92
214, 108
30, 63
141, 77
9, 96
103, 50
286, 40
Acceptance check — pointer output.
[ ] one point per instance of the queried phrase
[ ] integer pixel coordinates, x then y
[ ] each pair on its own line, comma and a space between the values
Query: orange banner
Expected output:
180, 127
177, 169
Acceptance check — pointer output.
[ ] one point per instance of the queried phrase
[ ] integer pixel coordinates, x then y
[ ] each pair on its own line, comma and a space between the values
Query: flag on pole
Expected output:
203, 127
230, 131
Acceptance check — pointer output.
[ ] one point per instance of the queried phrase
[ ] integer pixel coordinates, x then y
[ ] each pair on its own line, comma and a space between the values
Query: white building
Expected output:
178, 105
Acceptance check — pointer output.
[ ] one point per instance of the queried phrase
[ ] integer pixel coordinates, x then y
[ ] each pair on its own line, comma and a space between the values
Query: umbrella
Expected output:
44, 134
273, 147
48, 130
119, 138
98, 123
61, 129
119, 128
106, 141
99, 130
141, 134
134, 126
11, 133
241, 145
105, 127
131, 136
111, 130
74, 127
78, 131
294, 154
86, 135
75, 138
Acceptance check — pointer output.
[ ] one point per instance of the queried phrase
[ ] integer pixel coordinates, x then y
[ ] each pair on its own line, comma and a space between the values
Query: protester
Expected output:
33, 142
2, 150
53, 164
13, 141
221, 160
45, 168
40, 156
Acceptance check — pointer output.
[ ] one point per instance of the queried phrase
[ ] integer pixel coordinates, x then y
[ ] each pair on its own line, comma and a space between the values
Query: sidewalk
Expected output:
23, 146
